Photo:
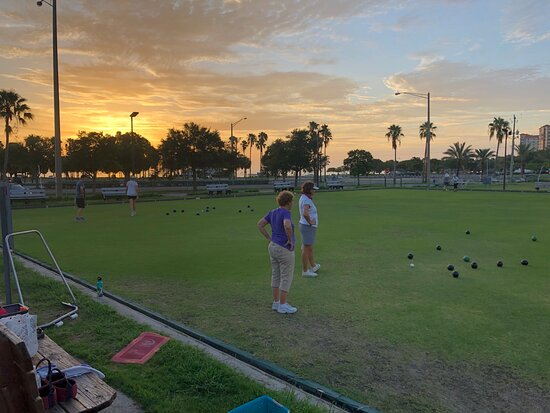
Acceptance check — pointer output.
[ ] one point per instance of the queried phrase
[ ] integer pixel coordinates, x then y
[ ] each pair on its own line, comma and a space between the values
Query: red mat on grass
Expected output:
140, 349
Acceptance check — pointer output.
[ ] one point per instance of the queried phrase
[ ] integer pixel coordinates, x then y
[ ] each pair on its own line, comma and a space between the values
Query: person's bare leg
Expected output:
282, 296
276, 294
310, 257
305, 257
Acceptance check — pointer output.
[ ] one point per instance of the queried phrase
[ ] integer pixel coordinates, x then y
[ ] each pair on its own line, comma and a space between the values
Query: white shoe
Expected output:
286, 308
309, 273
275, 305
133, 213
316, 267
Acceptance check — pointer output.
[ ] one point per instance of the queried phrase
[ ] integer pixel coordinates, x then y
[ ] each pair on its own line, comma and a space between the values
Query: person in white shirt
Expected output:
308, 227
132, 193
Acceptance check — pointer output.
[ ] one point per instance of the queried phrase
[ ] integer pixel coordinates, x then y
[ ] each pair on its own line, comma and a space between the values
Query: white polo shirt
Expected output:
305, 200
131, 188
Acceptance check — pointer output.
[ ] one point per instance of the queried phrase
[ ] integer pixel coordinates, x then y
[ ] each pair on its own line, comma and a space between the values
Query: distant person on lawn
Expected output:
446, 181
281, 251
456, 180
308, 229
80, 199
132, 192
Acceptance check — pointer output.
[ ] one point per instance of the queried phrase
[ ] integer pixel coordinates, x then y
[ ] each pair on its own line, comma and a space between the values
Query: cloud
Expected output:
526, 22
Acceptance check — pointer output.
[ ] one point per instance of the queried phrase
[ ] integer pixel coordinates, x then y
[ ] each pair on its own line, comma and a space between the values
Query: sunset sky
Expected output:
283, 63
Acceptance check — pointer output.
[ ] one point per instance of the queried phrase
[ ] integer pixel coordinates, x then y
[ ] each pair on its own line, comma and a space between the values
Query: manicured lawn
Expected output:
370, 326
177, 379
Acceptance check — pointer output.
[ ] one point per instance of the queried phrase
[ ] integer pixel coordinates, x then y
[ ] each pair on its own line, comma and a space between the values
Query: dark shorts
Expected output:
455, 186
132, 196
80, 202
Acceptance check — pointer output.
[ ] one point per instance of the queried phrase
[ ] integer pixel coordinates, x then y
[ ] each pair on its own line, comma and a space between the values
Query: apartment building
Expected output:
544, 137
530, 140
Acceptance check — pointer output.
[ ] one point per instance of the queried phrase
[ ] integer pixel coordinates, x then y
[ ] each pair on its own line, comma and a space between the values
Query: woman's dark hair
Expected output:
307, 187
284, 198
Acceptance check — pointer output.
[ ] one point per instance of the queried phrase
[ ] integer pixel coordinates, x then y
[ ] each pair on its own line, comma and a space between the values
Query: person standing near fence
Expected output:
281, 251
132, 191
80, 199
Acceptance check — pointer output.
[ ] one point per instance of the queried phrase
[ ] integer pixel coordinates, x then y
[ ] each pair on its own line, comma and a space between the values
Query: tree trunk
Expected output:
394, 165
496, 157
357, 179
250, 173
325, 166
295, 178
6, 151
194, 179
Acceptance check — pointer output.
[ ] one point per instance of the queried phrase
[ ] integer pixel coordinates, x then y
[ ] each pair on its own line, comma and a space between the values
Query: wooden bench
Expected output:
20, 193
118, 192
335, 185
218, 189
283, 186
18, 389
542, 185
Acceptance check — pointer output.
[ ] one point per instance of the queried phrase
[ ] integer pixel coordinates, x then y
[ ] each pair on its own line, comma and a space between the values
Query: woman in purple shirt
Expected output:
281, 251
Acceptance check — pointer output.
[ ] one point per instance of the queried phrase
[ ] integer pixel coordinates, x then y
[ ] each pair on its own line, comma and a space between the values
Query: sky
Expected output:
282, 64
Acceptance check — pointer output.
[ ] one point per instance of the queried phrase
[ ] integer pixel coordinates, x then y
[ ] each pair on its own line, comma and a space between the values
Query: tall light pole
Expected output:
132, 116
232, 138
514, 133
57, 120
428, 133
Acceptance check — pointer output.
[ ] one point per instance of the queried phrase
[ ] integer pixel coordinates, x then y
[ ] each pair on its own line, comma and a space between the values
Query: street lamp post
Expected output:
428, 134
514, 133
506, 133
57, 120
232, 138
132, 116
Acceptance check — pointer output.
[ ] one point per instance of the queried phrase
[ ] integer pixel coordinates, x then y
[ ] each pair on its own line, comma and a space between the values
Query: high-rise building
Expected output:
544, 137
530, 140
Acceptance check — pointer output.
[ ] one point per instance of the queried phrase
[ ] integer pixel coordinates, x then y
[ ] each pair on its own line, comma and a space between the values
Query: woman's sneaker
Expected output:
309, 273
275, 305
286, 308
316, 267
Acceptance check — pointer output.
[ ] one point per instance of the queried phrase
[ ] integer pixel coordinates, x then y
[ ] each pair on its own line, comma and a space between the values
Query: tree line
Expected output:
199, 152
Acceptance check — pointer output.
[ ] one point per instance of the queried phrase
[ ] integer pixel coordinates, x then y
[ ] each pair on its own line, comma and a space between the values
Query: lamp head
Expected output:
397, 93
134, 114
39, 3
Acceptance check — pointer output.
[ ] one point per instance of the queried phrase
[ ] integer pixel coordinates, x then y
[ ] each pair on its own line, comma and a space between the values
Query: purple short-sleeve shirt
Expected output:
276, 218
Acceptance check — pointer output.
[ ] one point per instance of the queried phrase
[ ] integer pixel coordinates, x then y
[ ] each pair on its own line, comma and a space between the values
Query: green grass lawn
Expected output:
369, 326
178, 378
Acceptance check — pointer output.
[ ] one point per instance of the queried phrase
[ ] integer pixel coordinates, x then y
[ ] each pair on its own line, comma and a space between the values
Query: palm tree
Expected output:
313, 131
498, 128
483, 156
261, 144
423, 132
459, 152
326, 136
244, 145
394, 135
233, 141
13, 109
251, 142
524, 153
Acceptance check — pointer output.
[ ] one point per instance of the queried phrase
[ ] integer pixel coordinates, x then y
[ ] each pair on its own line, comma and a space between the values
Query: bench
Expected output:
218, 189
20, 193
283, 186
113, 192
542, 185
335, 185
18, 388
